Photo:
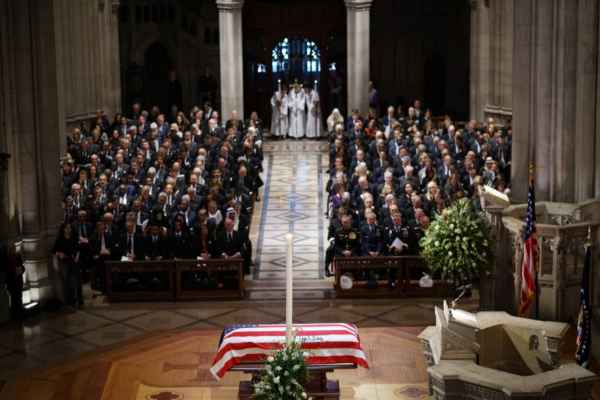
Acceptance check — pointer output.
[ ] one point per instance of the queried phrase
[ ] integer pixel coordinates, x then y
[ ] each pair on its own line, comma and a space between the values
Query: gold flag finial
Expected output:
531, 172
588, 240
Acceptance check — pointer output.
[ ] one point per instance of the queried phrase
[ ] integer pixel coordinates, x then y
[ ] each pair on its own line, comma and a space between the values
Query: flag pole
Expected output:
586, 246
537, 260
583, 341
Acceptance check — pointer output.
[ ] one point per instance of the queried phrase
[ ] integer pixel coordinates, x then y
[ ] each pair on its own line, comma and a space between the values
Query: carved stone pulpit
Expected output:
562, 230
494, 355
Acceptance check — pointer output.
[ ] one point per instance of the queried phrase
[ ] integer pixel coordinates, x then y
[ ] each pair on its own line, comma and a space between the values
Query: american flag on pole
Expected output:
530, 255
584, 321
331, 343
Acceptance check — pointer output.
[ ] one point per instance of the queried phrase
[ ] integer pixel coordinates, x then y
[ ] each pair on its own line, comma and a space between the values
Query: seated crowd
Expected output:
151, 187
390, 176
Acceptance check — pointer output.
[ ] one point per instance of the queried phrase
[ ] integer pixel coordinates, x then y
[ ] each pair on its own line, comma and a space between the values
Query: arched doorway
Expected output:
435, 85
156, 76
267, 23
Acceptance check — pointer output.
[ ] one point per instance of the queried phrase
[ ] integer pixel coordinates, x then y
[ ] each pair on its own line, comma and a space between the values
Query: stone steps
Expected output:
304, 289
279, 294
279, 284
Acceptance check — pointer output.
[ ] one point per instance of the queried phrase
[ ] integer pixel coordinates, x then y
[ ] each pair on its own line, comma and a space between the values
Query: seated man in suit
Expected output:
180, 246
231, 244
155, 245
371, 236
132, 245
132, 242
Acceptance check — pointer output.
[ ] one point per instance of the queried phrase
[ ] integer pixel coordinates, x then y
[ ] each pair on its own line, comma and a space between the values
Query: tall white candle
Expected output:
316, 85
289, 288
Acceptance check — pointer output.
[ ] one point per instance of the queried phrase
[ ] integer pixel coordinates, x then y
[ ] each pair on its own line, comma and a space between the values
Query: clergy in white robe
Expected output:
284, 110
275, 113
279, 109
313, 116
297, 104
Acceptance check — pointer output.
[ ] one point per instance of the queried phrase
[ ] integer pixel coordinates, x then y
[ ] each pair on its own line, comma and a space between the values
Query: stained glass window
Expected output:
296, 57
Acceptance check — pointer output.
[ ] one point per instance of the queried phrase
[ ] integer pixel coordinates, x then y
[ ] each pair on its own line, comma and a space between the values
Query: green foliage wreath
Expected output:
457, 243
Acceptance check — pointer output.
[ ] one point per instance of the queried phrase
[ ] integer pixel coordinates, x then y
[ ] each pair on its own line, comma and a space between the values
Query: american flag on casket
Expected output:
325, 343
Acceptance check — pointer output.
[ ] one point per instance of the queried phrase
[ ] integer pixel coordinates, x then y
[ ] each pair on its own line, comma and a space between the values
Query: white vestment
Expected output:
297, 102
279, 119
313, 117
275, 130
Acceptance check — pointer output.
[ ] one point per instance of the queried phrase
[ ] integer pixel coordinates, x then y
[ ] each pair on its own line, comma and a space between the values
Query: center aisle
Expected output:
293, 201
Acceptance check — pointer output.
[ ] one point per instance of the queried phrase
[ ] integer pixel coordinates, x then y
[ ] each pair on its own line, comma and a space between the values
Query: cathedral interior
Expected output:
130, 124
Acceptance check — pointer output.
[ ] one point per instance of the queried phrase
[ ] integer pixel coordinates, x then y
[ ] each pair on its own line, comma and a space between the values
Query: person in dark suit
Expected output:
155, 245
66, 250
371, 236
241, 224
203, 237
230, 242
180, 246
105, 246
13, 262
83, 231
132, 242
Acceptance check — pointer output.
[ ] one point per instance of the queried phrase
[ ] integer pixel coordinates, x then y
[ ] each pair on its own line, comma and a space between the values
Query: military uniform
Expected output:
347, 240
401, 232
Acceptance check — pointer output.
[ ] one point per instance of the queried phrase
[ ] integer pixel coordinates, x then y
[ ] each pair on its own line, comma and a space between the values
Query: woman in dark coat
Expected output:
66, 250
14, 277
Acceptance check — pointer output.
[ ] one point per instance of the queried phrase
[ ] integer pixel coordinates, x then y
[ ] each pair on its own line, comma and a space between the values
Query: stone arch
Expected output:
157, 64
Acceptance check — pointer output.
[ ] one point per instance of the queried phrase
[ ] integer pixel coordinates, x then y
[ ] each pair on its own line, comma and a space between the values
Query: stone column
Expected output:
358, 48
479, 59
585, 124
36, 134
231, 57
523, 119
114, 62
491, 60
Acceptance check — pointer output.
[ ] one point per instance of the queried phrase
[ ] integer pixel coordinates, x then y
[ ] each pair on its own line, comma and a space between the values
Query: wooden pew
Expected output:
371, 277
140, 280
212, 279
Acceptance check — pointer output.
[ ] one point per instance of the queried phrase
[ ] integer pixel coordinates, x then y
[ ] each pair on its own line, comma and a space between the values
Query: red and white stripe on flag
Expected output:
325, 343
528, 271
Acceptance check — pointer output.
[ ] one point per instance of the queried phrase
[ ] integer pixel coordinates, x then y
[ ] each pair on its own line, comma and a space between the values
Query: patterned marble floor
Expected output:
293, 202
175, 366
51, 339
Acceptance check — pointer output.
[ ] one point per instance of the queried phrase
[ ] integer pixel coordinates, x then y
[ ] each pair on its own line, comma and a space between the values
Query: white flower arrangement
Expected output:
457, 244
284, 375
